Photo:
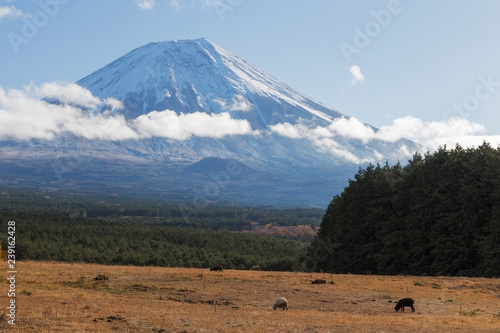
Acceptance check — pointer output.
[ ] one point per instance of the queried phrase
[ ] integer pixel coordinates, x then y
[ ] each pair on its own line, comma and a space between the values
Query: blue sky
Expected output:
423, 63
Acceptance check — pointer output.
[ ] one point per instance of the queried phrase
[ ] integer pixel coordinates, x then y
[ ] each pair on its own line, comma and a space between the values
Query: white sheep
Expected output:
281, 303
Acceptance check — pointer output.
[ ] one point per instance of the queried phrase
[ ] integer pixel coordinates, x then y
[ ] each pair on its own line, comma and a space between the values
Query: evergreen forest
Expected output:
437, 215
131, 231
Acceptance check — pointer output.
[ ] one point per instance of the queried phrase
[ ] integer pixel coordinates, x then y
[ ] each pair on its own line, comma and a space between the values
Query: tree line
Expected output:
133, 231
438, 215
131, 241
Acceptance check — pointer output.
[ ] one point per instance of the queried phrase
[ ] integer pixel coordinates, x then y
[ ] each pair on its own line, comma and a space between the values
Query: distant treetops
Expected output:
438, 215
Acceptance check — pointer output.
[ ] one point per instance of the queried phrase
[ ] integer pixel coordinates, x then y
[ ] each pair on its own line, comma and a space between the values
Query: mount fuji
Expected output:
197, 75
202, 124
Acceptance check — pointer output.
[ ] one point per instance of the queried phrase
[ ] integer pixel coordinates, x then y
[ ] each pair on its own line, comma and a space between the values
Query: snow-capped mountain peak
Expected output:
198, 75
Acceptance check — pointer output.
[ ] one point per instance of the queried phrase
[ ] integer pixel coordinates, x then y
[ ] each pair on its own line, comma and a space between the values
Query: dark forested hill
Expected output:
438, 215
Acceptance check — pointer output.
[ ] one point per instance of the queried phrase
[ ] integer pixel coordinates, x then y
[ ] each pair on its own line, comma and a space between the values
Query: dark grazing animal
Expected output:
404, 302
318, 281
101, 277
216, 268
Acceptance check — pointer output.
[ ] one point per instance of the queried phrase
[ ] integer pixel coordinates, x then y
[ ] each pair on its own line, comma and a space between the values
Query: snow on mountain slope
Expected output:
197, 75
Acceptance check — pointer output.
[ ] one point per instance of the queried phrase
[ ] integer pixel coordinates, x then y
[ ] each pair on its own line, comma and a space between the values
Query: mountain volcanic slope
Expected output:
197, 75
188, 119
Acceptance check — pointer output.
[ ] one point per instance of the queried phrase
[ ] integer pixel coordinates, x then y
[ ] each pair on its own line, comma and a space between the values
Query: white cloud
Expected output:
329, 145
321, 137
357, 75
169, 124
9, 11
288, 130
70, 93
114, 103
25, 116
351, 128
431, 135
435, 133
145, 4
114, 128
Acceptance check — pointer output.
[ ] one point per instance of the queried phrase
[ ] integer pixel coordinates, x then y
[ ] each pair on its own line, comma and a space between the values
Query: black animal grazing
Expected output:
216, 268
405, 302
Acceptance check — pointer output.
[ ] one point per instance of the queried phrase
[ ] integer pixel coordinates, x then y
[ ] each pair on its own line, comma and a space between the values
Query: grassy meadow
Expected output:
64, 297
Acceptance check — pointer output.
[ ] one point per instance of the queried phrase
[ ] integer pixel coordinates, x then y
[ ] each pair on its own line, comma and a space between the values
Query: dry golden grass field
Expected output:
62, 297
